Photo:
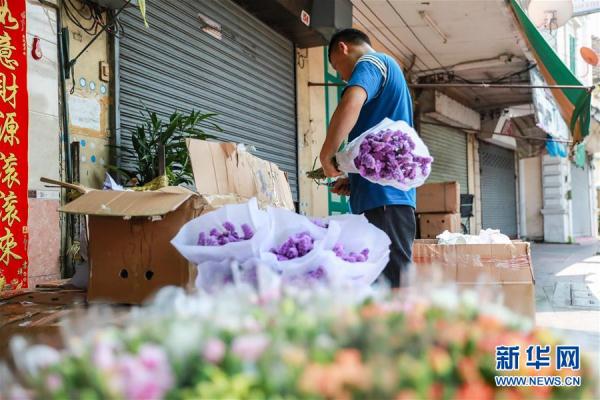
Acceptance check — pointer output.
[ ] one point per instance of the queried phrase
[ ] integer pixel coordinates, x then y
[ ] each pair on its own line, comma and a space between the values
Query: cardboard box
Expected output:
438, 198
431, 225
223, 168
130, 254
502, 268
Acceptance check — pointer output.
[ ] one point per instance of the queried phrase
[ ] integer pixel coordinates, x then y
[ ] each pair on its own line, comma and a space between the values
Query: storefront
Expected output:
214, 57
498, 188
448, 147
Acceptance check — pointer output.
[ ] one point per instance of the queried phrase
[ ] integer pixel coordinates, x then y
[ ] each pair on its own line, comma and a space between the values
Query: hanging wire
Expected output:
393, 42
413, 54
360, 22
413, 33
90, 18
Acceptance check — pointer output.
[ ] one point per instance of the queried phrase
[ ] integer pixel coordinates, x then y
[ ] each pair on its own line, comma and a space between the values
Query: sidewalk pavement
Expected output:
567, 291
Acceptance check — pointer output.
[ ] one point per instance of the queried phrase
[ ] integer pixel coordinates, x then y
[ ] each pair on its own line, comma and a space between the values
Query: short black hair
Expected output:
349, 35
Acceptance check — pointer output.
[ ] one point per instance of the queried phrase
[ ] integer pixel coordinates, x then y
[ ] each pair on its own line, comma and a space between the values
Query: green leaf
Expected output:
173, 134
142, 6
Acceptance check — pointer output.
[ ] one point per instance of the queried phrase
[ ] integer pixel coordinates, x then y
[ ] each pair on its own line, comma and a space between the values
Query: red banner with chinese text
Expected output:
14, 117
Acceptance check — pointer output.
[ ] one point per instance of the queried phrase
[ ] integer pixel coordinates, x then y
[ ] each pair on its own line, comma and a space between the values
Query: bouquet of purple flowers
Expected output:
391, 153
234, 243
235, 231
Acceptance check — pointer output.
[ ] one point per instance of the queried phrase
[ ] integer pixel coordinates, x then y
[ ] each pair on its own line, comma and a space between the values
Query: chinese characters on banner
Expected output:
14, 116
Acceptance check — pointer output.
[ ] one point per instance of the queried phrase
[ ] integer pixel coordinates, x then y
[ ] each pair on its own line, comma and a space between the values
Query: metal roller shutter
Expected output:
247, 77
498, 192
448, 147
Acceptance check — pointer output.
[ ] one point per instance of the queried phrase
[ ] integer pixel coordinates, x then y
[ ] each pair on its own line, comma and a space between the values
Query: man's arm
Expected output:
343, 120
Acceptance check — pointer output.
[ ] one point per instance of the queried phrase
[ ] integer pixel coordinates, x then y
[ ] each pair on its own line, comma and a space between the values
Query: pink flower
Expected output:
250, 347
53, 382
145, 376
104, 354
214, 351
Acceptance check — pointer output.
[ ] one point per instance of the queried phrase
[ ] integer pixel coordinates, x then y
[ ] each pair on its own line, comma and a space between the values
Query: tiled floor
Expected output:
568, 293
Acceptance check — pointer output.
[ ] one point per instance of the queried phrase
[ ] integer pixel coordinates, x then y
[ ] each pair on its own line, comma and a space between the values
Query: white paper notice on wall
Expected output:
84, 113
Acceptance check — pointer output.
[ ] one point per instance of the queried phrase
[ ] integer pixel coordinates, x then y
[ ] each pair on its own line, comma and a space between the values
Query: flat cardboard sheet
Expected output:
221, 168
129, 204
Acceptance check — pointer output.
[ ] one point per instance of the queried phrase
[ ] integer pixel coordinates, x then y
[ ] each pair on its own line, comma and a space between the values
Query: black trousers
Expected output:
399, 222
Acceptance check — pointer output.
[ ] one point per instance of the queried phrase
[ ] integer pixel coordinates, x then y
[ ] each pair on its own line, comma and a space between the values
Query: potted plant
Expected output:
159, 149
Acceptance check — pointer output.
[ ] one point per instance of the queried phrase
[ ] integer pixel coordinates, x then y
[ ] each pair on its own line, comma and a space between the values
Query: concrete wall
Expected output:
477, 186
311, 128
88, 107
89, 112
557, 207
44, 145
474, 188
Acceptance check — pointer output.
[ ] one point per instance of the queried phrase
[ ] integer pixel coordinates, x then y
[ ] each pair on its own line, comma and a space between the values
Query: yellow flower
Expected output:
440, 360
294, 356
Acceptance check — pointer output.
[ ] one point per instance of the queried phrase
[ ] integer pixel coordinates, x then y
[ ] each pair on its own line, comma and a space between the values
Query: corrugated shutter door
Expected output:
498, 192
448, 147
247, 77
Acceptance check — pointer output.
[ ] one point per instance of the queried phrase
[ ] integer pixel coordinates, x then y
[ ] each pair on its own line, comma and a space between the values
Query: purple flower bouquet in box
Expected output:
297, 245
359, 259
391, 154
235, 231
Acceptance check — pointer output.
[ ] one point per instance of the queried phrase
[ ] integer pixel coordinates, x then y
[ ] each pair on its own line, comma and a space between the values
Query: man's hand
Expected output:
329, 167
341, 187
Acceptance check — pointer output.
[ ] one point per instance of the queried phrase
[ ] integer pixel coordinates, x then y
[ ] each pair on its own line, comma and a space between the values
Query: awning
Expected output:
574, 104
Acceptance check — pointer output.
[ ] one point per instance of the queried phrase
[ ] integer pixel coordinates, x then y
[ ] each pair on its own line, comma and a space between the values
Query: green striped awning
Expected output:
574, 104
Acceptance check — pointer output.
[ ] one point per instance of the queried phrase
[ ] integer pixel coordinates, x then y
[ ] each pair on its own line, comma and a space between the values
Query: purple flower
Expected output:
228, 235
352, 257
248, 232
387, 155
321, 223
295, 246
316, 274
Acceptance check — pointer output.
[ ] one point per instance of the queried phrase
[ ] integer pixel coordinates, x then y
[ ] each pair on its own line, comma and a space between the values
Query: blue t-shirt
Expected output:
387, 96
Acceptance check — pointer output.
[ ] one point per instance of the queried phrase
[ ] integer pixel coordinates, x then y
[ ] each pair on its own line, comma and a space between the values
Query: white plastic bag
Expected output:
345, 158
186, 240
357, 234
315, 270
285, 224
486, 236
493, 236
214, 275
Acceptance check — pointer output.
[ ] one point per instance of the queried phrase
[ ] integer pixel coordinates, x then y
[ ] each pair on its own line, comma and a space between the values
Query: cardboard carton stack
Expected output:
438, 209
501, 271
130, 254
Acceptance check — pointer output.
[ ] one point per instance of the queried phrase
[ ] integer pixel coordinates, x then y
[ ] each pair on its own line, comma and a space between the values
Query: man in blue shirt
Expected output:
376, 89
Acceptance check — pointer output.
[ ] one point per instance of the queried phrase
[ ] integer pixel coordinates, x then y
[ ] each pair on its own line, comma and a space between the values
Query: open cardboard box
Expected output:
505, 268
130, 253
